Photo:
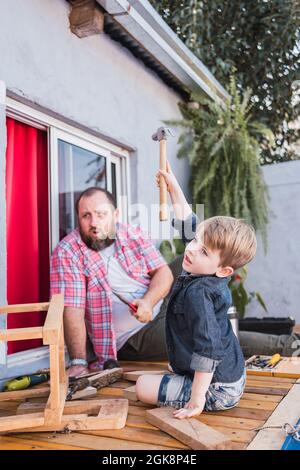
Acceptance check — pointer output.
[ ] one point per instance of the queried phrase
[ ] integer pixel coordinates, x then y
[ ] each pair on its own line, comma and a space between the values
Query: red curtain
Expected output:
27, 225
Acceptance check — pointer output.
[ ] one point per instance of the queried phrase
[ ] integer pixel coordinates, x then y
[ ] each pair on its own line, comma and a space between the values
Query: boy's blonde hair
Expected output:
234, 238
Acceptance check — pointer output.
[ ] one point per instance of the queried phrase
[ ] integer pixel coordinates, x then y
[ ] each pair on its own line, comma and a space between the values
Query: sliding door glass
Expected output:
78, 169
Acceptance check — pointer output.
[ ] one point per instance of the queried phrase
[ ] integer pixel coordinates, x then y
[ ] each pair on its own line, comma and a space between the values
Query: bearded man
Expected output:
91, 266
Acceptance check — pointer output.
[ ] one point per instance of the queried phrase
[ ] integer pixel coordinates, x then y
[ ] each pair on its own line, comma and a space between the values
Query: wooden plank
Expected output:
24, 394
130, 393
133, 376
266, 391
262, 397
196, 435
55, 404
257, 405
106, 377
275, 384
146, 436
258, 378
22, 308
94, 442
131, 366
112, 392
140, 422
13, 443
80, 407
54, 320
12, 423
121, 384
87, 392
288, 411
236, 435
18, 334
110, 414
61, 359
243, 413
229, 422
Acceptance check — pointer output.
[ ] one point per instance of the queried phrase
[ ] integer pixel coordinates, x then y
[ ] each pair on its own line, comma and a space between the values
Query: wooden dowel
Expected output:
21, 308
17, 334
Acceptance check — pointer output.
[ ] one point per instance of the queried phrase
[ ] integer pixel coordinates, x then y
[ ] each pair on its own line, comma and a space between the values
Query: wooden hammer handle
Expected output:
163, 193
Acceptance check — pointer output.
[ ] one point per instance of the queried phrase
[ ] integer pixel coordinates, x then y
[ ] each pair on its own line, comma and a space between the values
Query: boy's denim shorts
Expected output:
175, 390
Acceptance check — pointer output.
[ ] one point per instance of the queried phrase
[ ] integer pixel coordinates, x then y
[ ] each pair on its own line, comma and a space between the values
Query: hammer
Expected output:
161, 135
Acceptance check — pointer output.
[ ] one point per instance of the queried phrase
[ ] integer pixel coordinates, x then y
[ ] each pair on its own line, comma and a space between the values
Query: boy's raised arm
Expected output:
186, 220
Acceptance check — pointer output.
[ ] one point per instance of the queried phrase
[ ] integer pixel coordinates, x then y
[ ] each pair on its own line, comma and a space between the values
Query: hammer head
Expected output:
162, 133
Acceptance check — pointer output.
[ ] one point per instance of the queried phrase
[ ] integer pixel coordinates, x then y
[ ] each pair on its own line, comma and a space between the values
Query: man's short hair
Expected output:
234, 238
91, 191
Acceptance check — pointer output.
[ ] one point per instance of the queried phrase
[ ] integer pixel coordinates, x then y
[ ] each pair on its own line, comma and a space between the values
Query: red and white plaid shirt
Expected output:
80, 274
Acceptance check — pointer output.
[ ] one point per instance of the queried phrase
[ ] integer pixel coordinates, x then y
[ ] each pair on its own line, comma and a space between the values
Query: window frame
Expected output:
58, 129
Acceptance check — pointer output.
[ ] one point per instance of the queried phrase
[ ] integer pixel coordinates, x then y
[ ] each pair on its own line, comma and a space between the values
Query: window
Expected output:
76, 165
78, 169
77, 160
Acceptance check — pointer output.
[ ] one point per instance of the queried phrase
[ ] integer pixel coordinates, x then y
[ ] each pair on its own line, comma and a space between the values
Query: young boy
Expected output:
204, 353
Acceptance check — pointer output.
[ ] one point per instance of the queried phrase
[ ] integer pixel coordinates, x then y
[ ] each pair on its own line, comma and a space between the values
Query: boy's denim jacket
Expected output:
198, 332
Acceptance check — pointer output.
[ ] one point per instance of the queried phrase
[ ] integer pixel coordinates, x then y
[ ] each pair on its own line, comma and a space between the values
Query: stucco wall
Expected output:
276, 275
94, 81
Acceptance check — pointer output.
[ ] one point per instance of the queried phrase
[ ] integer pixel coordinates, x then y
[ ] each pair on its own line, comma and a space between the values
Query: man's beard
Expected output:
98, 244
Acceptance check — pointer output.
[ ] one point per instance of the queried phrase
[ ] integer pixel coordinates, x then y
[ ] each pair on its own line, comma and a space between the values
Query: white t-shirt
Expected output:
125, 324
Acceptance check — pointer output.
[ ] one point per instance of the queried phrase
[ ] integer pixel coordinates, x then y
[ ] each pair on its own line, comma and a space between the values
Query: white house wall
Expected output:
94, 81
276, 275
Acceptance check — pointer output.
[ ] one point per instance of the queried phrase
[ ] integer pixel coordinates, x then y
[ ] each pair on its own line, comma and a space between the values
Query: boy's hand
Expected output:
144, 312
192, 408
170, 179
181, 208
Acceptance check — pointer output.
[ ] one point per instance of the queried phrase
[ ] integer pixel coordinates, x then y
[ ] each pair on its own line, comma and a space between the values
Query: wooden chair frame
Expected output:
52, 334
106, 414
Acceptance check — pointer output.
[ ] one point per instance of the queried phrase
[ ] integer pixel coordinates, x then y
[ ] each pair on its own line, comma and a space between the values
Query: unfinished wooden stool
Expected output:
56, 415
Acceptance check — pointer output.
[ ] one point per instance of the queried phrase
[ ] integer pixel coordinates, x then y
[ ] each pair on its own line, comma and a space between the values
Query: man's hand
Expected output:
192, 408
144, 312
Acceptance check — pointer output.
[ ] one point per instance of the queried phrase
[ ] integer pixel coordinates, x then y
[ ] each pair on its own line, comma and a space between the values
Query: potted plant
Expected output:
224, 145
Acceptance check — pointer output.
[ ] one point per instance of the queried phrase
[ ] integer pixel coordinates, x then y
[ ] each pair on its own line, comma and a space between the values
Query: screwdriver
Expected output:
125, 301
274, 360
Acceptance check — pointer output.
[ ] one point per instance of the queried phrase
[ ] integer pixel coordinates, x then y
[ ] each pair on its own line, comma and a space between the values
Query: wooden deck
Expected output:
261, 398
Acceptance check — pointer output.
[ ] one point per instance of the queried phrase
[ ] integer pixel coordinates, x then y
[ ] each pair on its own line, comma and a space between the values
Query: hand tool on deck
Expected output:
25, 381
261, 362
274, 360
161, 135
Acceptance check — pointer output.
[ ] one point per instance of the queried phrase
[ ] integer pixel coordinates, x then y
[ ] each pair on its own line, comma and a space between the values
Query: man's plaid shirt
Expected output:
80, 274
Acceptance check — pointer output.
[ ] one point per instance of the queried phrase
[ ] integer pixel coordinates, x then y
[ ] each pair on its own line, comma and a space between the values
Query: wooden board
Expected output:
24, 394
196, 435
108, 414
288, 367
130, 393
134, 375
288, 411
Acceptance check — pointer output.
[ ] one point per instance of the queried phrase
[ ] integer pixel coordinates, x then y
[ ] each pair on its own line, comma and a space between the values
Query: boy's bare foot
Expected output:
170, 368
75, 371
